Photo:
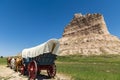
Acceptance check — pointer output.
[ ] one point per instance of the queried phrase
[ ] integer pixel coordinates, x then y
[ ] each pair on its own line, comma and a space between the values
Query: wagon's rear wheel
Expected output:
32, 70
52, 71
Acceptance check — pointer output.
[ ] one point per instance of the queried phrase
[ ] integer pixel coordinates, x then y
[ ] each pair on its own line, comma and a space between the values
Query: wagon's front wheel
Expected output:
32, 70
52, 71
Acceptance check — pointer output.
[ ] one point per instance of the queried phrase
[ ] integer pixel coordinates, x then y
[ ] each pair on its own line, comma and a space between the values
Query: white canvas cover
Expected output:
51, 45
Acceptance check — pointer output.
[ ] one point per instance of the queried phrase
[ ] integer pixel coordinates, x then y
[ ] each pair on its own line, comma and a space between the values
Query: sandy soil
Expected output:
8, 74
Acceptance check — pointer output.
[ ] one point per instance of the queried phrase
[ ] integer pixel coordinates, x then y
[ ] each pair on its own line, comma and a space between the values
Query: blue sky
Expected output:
27, 23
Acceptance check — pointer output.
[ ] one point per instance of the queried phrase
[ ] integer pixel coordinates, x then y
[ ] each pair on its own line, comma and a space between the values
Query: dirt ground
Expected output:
8, 74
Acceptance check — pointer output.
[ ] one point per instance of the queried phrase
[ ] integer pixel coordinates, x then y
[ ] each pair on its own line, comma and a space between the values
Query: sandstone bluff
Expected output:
88, 35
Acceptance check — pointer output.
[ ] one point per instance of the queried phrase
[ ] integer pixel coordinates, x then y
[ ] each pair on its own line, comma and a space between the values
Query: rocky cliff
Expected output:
88, 35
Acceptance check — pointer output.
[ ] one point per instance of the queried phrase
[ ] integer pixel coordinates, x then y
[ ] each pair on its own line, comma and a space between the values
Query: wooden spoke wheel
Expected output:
22, 70
52, 71
32, 70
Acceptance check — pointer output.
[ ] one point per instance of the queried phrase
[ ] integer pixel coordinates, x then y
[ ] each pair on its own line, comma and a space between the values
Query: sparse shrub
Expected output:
1, 57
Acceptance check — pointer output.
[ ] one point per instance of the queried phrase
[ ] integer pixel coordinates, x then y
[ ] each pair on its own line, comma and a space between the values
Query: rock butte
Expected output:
88, 35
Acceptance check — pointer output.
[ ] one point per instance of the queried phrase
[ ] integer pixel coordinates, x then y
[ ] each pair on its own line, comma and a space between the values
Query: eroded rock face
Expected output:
86, 25
88, 35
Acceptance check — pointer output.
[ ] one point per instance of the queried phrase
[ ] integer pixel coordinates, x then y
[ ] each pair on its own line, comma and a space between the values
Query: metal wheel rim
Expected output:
52, 71
33, 73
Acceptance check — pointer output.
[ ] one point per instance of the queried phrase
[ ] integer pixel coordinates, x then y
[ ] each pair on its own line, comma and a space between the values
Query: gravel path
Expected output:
8, 74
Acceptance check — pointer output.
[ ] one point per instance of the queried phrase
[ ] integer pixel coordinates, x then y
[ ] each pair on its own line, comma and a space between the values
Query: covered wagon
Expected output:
41, 57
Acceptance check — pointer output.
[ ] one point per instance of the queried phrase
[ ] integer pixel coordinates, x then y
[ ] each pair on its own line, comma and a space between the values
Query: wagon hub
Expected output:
31, 69
22, 68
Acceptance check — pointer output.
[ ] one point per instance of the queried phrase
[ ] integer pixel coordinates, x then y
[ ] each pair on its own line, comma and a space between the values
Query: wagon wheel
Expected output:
52, 71
22, 69
32, 70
